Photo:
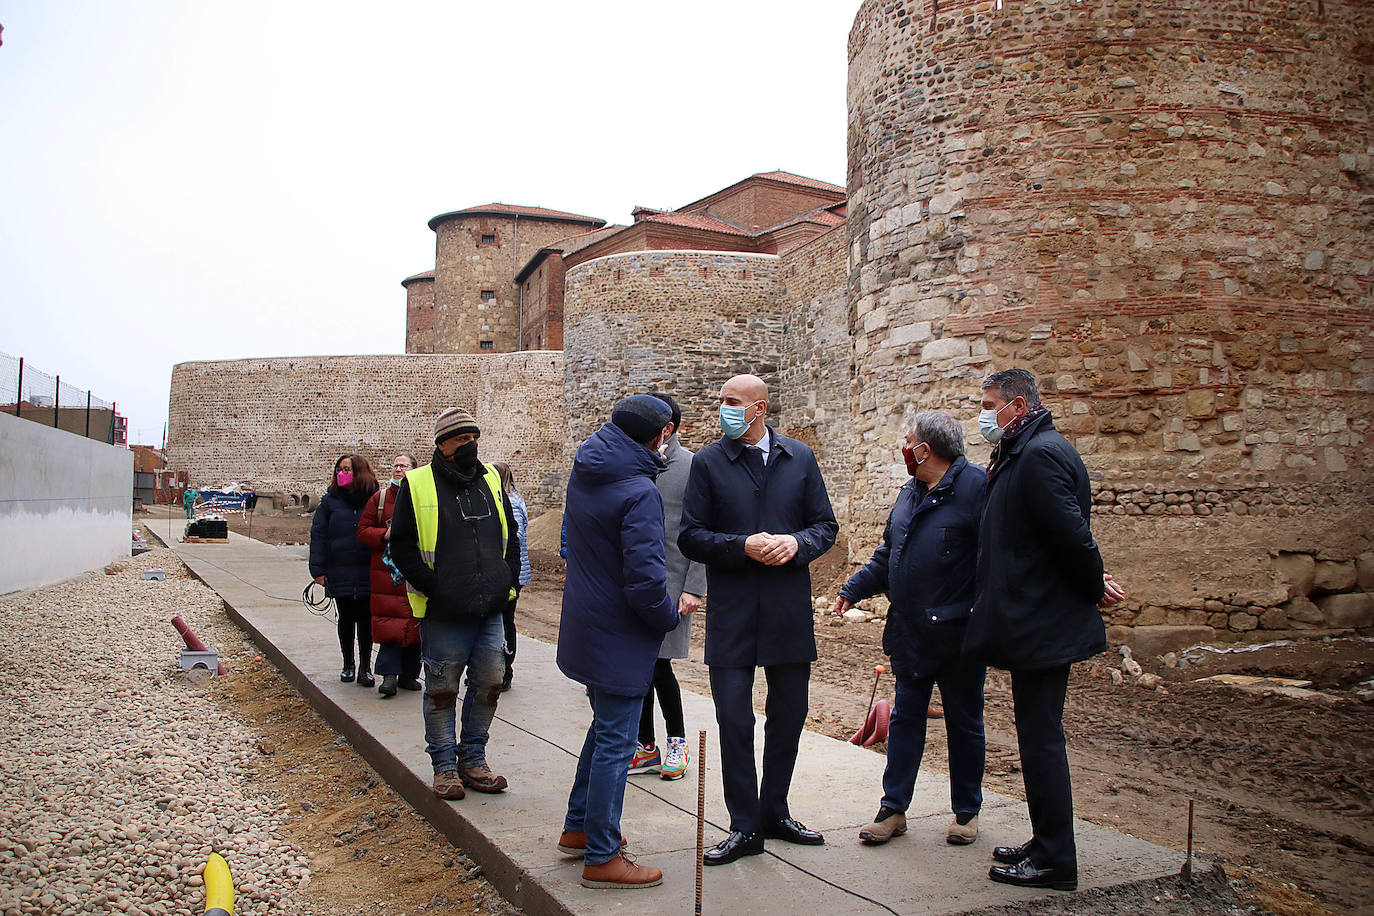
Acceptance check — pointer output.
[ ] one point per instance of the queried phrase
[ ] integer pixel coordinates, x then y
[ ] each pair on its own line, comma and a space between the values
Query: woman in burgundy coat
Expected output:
393, 628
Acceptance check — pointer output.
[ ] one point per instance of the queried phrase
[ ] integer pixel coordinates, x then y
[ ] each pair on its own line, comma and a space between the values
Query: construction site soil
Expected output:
1283, 786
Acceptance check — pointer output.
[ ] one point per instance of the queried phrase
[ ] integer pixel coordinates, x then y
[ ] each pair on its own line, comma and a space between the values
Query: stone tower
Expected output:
478, 252
1164, 211
419, 312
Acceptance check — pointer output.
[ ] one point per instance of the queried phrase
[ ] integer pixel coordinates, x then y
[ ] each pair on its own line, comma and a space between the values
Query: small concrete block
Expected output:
154, 575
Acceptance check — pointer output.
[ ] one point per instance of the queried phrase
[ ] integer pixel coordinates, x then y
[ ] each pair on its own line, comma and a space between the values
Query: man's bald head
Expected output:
746, 388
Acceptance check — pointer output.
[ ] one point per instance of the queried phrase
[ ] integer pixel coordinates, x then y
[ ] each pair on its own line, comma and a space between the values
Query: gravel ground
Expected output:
117, 776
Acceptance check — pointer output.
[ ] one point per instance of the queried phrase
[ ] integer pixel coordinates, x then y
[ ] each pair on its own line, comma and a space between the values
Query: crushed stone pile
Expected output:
118, 774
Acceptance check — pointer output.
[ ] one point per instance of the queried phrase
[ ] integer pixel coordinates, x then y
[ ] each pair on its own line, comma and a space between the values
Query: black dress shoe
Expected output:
411, 683
1027, 874
733, 847
1010, 855
793, 831
365, 679
388, 687
346, 675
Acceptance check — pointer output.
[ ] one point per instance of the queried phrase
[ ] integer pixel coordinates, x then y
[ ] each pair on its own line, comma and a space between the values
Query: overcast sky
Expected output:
190, 181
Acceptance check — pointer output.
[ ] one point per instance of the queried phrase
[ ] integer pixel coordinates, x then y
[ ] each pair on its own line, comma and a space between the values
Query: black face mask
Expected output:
465, 457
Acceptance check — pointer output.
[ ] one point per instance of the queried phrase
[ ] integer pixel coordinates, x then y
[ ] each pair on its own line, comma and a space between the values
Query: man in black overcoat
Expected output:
756, 514
1040, 587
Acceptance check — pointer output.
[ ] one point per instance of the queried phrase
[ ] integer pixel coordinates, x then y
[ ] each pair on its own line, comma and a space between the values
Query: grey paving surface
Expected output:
534, 743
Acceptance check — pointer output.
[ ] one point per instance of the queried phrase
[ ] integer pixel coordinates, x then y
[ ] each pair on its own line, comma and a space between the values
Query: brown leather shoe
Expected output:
574, 843
448, 785
481, 779
620, 872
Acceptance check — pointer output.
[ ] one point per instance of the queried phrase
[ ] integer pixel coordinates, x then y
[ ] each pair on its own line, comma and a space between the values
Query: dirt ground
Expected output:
1283, 788
371, 854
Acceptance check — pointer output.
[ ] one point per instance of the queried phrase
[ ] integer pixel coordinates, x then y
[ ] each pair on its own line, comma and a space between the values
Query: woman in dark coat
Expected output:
396, 632
339, 561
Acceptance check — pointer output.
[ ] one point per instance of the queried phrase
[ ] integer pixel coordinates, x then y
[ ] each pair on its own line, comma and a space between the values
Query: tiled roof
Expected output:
801, 180
500, 209
822, 215
577, 242
694, 221
424, 275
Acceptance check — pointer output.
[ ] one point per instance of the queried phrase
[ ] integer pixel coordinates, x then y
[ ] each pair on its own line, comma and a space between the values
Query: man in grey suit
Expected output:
686, 586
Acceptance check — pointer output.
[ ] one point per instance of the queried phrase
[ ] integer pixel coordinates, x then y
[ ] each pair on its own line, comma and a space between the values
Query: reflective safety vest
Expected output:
424, 500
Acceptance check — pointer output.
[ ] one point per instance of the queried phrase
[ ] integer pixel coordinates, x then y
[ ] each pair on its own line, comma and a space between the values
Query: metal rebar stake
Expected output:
701, 808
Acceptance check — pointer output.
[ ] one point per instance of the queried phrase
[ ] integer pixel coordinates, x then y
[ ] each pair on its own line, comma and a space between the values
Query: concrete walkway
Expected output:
534, 743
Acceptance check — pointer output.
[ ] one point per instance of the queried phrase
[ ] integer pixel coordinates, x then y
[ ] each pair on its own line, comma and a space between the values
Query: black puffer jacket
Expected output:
1039, 570
335, 551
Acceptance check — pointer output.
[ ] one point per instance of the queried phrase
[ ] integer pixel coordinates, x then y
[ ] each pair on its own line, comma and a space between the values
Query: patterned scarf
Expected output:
1012, 431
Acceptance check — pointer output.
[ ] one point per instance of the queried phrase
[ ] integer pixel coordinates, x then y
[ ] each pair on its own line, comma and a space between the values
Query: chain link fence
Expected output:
32, 394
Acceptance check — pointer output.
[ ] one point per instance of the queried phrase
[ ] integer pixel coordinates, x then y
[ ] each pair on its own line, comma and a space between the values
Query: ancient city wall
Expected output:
681, 322
279, 424
464, 266
817, 352
1162, 210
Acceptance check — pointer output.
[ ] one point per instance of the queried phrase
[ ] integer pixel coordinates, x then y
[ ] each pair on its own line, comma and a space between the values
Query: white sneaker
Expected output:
676, 760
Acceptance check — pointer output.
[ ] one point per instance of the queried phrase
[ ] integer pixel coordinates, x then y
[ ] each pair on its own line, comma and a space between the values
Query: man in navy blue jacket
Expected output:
925, 566
756, 513
616, 611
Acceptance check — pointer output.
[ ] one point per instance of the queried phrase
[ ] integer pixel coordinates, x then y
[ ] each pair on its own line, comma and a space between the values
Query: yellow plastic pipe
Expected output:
219, 887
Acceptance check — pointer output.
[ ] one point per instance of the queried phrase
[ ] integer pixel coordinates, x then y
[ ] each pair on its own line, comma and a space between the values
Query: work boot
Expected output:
885, 826
481, 779
962, 834
448, 784
388, 687
620, 872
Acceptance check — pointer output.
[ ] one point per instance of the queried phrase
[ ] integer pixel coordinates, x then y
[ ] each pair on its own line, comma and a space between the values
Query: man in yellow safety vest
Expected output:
454, 538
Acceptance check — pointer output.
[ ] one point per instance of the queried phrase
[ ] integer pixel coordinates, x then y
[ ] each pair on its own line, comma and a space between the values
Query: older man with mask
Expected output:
1040, 588
756, 513
925, 566
454, 538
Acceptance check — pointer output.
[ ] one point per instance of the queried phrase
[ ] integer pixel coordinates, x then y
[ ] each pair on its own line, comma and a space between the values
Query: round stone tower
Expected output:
419, 312
1164, 211
478, 252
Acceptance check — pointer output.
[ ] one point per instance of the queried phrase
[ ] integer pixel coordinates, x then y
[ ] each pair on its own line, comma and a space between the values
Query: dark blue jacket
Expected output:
757, 615
335, 551
925, 566
1039, 570
615, 601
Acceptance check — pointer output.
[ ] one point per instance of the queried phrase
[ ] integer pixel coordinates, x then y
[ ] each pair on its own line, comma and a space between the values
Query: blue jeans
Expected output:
598, 792
961, 690
447, 647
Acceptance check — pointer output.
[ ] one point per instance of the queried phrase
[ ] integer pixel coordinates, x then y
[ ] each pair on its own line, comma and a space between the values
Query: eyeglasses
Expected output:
473, 504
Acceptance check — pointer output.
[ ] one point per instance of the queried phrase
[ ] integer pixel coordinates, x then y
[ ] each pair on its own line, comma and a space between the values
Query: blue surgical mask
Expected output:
395, 482
988, 426
732, 421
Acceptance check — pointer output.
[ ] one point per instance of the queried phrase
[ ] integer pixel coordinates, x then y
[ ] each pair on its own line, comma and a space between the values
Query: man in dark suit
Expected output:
756, 513
1040, 587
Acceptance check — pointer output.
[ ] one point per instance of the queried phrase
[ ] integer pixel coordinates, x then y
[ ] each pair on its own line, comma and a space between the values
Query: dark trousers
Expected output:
355, 614
403, 661
508, 620
1038, 698
669, 697
753, 804
961, 688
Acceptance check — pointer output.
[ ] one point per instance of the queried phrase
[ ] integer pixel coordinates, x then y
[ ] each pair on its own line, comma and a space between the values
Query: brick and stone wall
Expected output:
1163, 212
681, 322
278, 424
814, 390
541, 298
419, 313
464, 266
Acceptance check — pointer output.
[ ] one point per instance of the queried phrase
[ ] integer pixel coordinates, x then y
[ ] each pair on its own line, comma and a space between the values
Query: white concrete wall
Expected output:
65, 503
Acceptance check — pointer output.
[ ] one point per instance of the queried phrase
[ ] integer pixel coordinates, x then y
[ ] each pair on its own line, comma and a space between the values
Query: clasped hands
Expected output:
770, 549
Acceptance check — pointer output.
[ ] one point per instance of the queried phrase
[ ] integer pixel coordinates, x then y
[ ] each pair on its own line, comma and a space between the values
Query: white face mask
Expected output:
988, 425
